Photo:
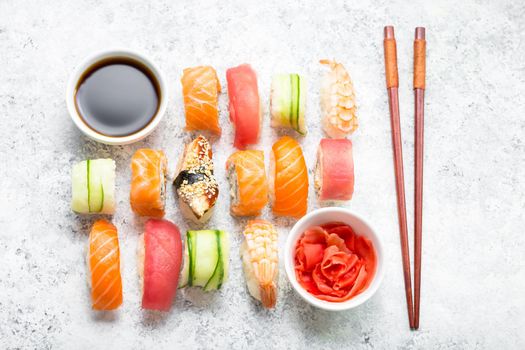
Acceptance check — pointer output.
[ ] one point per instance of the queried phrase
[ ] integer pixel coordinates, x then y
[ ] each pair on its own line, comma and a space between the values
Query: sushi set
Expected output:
334, 258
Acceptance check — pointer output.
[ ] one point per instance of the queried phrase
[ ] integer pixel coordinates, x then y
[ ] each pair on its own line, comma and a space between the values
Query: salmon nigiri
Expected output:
201, 88
103, 262
245, 105
249, 188
148, 182
289, 182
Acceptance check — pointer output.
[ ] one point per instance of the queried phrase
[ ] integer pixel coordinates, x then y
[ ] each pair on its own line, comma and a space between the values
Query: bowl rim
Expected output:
359, 299
93, 58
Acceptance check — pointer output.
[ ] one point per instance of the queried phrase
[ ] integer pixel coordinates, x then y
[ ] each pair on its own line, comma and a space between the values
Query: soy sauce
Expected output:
117, 97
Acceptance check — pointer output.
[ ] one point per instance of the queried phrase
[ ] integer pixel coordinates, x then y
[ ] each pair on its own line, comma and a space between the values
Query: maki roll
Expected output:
288, 102
201, 88
334, 171
103, 262
206, 259
245, 105
195, 183
148, 182
338, 101
260, 261
93, 187
249, 188
159, 261
288, 179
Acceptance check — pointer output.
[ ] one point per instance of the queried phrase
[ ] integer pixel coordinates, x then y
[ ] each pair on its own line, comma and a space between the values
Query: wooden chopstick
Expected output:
392, 84
419, 97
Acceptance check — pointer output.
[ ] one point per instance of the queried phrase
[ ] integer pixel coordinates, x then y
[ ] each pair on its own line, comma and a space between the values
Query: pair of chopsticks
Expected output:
392, 84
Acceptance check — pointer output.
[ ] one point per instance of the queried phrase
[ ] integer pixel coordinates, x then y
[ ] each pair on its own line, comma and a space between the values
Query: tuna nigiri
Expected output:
159, 262
289, 178
260, 261
334, 171
103, 262
201, 88
249, 188
148, 182
245, 105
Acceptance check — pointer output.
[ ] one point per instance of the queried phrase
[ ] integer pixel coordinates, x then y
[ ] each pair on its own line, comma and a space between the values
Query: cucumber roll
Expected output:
288, 102
206, 257
93, 187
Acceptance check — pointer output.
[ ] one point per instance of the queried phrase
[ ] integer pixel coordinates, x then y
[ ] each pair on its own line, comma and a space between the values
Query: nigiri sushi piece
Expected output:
245, 105
93, 187
148, 182
288, 102
288, 179
338, 101
248, 184
103, 262
201, 88
195, 183
334, 171
260, 261
159, 263
206, 259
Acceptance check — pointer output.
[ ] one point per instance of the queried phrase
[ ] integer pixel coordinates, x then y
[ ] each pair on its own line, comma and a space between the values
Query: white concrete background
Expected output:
474, 243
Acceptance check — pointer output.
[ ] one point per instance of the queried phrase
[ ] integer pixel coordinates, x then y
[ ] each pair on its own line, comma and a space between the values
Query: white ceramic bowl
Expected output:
361, 227
115, 140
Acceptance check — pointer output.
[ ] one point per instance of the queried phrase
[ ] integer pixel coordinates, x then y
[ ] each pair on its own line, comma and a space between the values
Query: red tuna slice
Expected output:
337, 170
162, 261
244, 105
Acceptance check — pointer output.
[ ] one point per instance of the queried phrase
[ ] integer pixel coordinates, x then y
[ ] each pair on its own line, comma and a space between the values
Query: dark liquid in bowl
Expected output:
117, 96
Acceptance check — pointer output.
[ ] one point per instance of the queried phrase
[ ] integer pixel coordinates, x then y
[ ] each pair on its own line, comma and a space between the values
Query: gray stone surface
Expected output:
474, 242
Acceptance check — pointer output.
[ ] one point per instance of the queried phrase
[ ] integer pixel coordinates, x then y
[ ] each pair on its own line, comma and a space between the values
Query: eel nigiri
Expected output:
288, 102
159, 262
288, 179
338, 101
245, 105
103, 262
195, 183
249, 187
201, 88
148, 182
93, 187
334, 171
206, 259
260, 261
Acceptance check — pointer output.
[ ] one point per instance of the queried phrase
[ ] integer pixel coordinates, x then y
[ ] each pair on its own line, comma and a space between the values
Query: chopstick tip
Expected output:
389, 32
420, 33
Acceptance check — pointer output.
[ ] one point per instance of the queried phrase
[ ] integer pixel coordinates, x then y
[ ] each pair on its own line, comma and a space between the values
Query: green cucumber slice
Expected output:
225, 255
294, 99
79, 188
95, 173
206, 257
216, 278
206, 252
301, 108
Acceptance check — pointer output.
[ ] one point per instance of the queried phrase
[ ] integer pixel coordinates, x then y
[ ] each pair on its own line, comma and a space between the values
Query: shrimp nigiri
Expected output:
260, 261
338, 101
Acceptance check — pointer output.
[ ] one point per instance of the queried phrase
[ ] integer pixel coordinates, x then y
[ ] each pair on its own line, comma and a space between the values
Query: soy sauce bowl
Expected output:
361, 227
108, 55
